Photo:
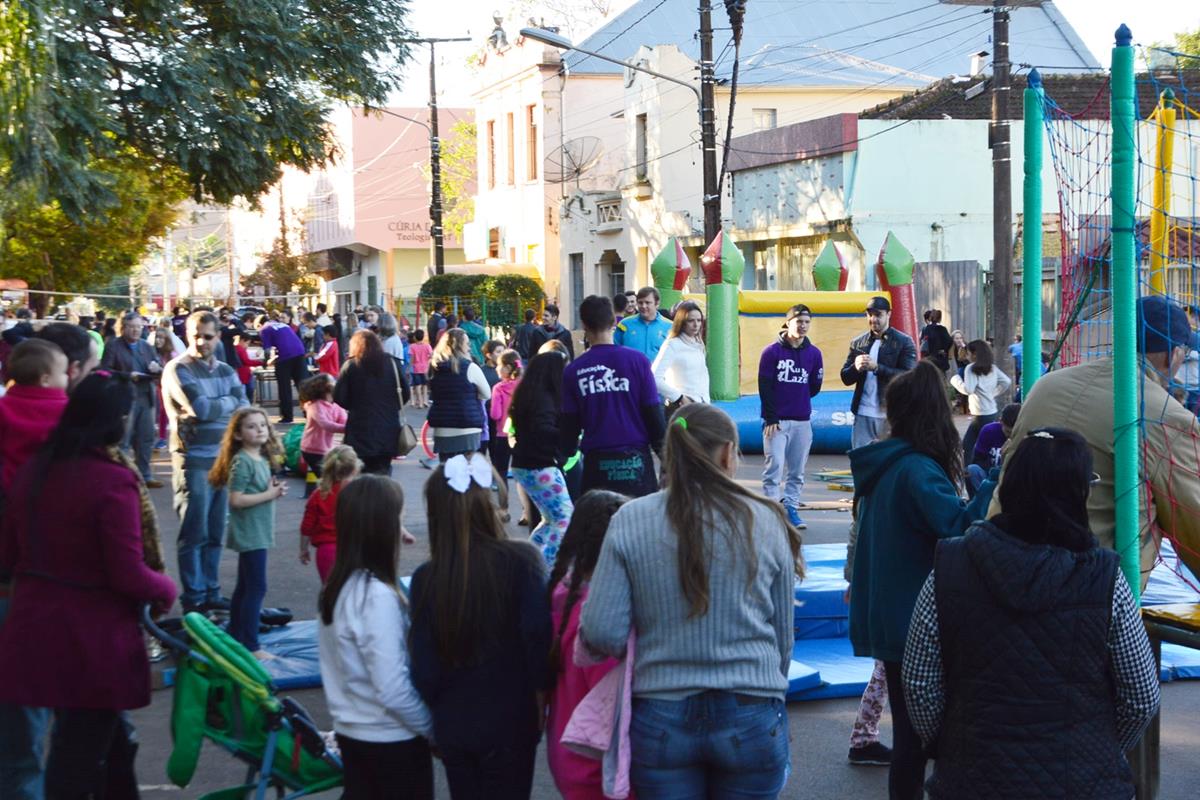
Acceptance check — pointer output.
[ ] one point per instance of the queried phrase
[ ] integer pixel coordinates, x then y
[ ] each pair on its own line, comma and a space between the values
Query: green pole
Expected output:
723, 265
1124, 280
1031, 350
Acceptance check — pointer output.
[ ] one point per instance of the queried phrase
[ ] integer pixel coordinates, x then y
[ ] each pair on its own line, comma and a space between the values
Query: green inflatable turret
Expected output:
723, 265
670, 271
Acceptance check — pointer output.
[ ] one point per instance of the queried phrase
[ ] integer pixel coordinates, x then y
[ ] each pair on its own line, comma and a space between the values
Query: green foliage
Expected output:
41, 244
447, 286
507, 297
226, 92
1188, 42
458, 173
283, 272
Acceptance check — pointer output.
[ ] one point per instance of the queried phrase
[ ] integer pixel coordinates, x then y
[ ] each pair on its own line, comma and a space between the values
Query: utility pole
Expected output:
1002, 255
435, 156
708, 125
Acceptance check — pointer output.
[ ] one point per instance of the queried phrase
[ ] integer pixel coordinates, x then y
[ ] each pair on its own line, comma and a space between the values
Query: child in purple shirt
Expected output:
610, 395
790, 373
989, 446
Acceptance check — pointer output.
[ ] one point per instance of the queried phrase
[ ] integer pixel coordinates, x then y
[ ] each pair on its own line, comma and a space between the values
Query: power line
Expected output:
630, 27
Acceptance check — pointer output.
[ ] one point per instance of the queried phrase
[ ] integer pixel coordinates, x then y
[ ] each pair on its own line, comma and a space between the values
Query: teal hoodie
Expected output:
911, 505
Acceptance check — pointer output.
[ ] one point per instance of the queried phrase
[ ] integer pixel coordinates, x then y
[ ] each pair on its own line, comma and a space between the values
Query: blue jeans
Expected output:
22, 731
711, 746
245, 607
202, 510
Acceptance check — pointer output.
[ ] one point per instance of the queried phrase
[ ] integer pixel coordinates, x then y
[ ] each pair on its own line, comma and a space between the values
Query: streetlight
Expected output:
708, 137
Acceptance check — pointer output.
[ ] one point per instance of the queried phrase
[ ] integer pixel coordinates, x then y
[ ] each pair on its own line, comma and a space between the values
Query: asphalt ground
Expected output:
819, 730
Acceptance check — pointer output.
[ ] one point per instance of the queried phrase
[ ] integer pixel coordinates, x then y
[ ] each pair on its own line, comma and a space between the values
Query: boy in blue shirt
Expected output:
648, 330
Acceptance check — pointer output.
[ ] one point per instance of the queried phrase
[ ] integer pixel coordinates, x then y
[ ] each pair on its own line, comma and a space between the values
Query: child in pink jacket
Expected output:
322, 419
577, 777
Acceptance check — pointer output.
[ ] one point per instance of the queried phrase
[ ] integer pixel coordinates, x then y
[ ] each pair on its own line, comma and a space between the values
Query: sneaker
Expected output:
793, 515
875, 754
216, 604
161, 444
153, 484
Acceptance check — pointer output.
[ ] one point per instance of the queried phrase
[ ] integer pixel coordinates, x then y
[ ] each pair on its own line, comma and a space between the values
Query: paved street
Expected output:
819, 730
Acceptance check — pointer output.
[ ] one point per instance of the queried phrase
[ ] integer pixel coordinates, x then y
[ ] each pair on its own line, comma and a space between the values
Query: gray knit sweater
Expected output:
743, 644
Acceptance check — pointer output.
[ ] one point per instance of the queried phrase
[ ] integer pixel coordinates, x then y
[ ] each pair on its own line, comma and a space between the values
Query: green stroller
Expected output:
222, 693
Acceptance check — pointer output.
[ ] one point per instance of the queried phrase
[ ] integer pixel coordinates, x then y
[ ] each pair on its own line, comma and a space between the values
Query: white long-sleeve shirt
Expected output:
981, 390
681, 369
364, 665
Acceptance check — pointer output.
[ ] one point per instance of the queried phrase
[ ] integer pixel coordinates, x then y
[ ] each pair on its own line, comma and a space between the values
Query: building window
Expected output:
764, 119
512, 172
639, 143
491, 154
612, 272
531, 142
493, 241
575, 261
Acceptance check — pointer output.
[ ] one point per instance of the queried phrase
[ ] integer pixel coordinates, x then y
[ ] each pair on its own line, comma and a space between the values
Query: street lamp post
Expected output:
704, 101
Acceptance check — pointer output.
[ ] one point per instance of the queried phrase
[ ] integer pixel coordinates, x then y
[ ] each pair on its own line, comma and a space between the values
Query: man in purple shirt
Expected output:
790, 373
609, 394
288, 361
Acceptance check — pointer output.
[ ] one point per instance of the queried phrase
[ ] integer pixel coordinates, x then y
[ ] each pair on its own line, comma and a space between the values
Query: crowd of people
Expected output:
643, 619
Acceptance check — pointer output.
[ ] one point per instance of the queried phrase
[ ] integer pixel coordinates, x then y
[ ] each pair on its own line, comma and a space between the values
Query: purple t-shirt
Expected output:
607, 387
285, 341
987, 446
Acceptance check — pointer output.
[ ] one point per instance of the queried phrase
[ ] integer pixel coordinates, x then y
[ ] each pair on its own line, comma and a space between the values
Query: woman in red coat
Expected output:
72, 540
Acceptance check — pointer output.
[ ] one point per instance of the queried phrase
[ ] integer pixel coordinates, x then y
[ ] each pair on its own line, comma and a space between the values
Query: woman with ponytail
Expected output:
577, 777
715, 633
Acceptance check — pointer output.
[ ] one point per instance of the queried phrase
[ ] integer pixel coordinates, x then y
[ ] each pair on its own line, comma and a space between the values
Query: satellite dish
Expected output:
573, 159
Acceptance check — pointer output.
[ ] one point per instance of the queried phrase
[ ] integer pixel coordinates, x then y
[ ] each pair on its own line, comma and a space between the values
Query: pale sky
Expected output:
1094, 20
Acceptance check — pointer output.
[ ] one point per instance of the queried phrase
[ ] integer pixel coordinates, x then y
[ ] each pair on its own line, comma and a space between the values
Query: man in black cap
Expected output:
875, 358
1081, 398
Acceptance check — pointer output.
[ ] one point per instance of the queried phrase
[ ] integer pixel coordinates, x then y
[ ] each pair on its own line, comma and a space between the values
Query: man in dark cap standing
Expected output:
875, 358
1081, 398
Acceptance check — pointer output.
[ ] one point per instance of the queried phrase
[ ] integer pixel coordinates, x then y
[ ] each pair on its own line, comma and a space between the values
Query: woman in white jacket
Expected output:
681, 369
982, 382
382, 725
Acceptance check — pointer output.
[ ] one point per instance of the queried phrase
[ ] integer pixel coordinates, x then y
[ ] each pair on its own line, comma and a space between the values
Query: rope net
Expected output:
1167, 232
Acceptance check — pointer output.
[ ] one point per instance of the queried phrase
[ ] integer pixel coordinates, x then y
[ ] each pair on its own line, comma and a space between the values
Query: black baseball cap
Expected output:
879, 304
795, 311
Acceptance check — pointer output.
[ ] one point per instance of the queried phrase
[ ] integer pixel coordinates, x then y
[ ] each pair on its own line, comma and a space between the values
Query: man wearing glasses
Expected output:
200, 394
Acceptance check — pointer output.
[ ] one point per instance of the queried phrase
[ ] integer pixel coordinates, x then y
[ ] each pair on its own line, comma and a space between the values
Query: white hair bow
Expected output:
460, 471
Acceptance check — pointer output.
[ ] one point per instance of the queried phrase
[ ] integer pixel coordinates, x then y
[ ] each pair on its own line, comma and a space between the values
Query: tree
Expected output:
1188, 42
226, 92
458, 175
282, 270
42, 245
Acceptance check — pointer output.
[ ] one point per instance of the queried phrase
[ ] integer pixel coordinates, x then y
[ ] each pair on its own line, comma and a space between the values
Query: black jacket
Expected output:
372, 407
134, 361
936, 344
539, 336
521, 339
455, 399
536, 431
1030, 702
897, 354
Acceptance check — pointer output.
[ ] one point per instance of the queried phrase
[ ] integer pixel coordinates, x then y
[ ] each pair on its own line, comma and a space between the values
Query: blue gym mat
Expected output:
842, 674
297, 662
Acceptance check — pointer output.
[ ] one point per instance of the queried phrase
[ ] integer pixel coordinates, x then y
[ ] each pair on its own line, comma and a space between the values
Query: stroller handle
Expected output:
176, 644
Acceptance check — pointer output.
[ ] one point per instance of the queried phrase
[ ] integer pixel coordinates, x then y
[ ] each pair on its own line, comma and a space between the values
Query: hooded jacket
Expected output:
541, 334
789, 377
905, 505
1030, 708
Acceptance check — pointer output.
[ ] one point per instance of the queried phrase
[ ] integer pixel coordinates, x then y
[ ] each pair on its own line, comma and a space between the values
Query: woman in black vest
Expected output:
367, 388
458, 389
1027, 669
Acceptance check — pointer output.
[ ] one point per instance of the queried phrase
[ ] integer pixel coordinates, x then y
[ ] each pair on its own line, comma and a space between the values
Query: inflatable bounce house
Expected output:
741, 323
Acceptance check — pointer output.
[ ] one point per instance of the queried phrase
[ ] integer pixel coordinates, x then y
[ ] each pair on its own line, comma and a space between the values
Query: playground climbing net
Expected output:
1167, 236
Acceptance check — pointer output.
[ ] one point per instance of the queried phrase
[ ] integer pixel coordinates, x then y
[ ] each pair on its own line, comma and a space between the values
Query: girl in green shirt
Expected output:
245, 466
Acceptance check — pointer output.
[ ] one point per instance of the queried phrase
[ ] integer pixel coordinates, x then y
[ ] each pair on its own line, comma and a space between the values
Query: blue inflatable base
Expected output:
831, 421
821, 611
